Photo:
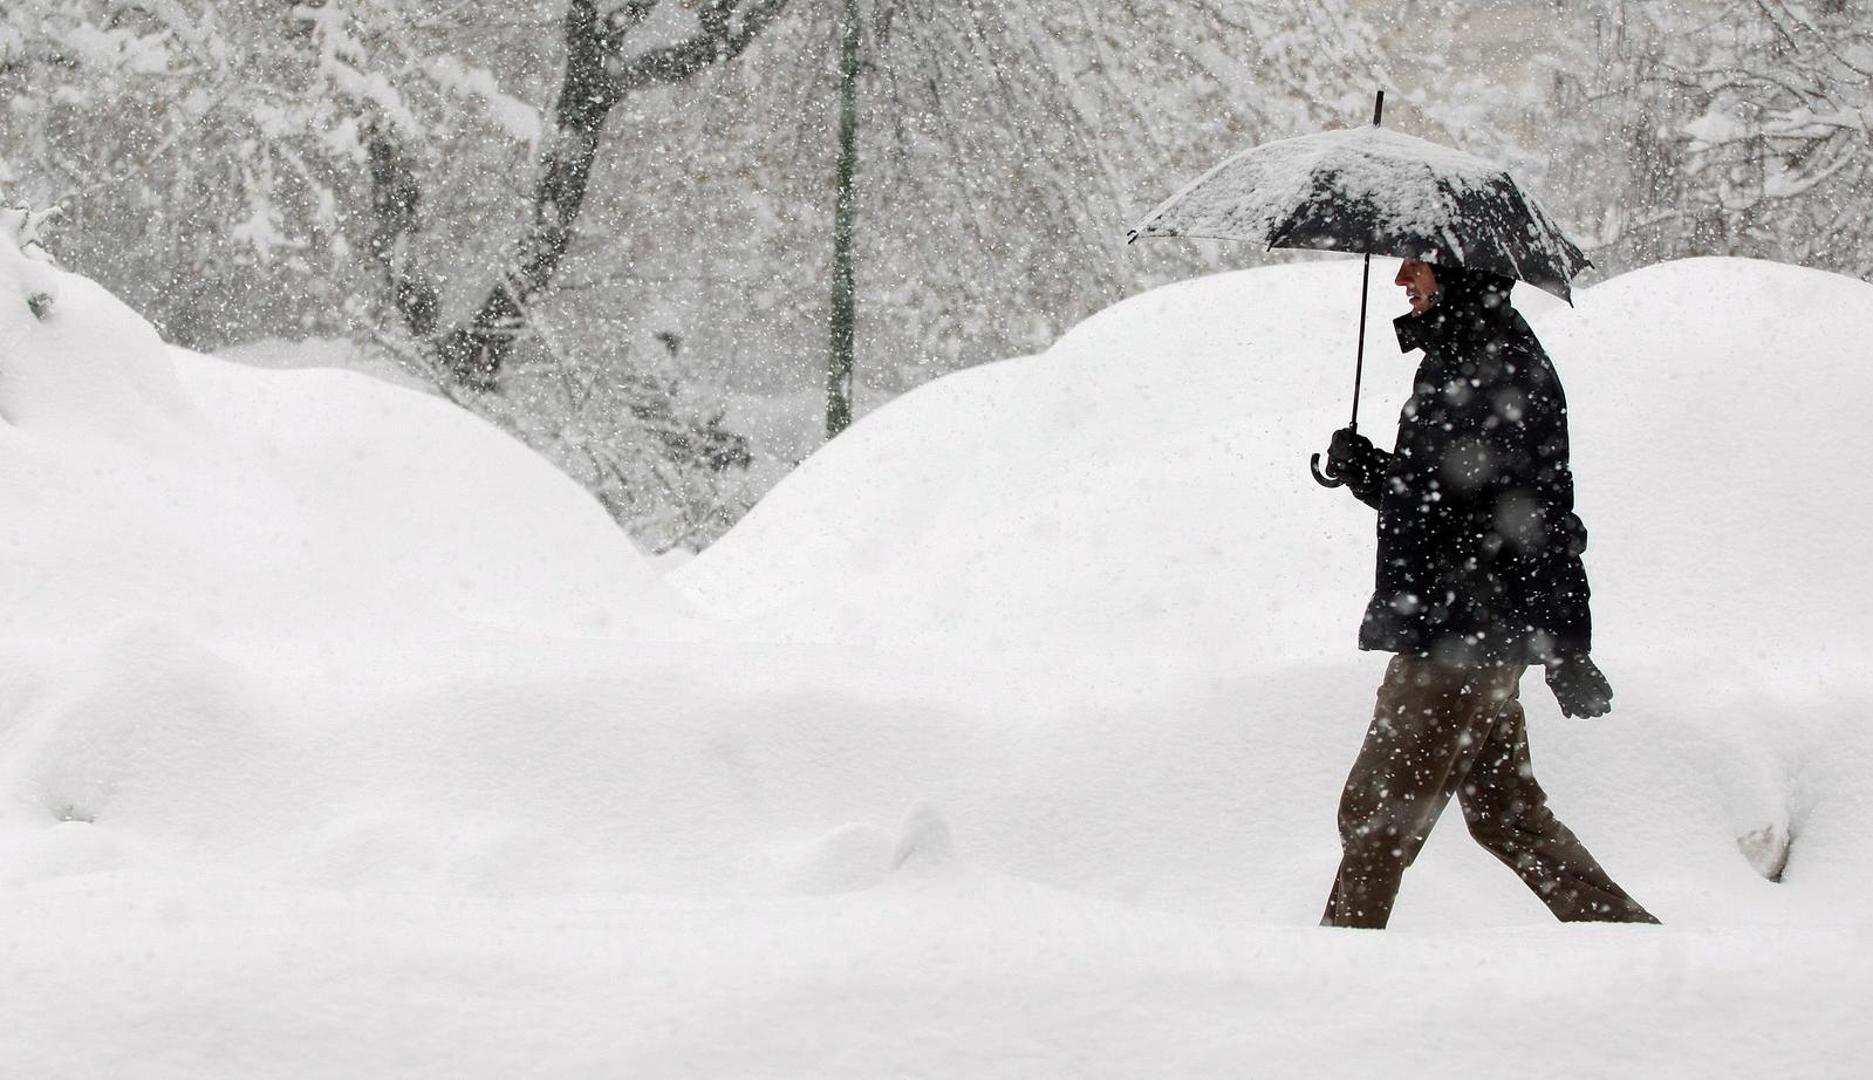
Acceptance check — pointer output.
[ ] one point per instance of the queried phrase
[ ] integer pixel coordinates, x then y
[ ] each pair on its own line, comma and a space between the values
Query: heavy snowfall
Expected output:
456, 625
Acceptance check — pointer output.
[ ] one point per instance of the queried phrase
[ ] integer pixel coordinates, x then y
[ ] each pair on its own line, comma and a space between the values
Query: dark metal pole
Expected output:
839, 360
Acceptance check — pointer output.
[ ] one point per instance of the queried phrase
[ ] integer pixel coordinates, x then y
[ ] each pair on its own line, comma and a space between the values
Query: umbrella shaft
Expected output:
1365, 287
1359, 363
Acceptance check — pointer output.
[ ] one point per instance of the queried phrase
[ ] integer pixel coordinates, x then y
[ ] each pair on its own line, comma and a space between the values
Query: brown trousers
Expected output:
1440, 731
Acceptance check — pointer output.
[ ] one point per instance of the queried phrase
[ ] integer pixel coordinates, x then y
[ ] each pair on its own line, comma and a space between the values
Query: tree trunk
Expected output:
476, 351
845, 211
599, 74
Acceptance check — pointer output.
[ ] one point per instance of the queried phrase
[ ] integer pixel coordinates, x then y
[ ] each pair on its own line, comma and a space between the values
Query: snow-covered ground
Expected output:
341, 736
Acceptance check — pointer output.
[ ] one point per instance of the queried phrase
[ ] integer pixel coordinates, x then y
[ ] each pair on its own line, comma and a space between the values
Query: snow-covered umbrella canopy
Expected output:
1378, 192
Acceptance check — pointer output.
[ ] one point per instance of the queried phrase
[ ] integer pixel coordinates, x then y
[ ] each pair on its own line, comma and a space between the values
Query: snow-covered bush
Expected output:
27, 258
213, 154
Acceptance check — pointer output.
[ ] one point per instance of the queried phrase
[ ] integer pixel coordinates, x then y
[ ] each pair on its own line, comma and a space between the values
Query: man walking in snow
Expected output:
1479, 577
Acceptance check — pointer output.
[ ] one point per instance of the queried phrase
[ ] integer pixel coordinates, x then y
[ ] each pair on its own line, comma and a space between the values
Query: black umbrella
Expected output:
1375, 192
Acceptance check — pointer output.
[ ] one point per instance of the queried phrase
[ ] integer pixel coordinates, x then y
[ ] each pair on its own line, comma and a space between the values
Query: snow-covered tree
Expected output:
610, 54
258, 167
463, 179
1722, 127
19, 230
1779, 154
1000, 152
212, 154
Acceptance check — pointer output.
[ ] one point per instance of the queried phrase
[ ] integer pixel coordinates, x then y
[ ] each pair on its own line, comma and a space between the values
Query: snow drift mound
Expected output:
76, 360
1140, 489
306, 505
1130, 513
212, 577
328, 627
1143, 484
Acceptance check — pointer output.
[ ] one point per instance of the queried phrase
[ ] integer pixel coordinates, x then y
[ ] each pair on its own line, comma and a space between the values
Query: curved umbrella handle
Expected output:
1326, 479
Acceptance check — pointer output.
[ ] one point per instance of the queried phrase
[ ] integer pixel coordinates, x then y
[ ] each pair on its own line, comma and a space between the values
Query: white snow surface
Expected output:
340, 736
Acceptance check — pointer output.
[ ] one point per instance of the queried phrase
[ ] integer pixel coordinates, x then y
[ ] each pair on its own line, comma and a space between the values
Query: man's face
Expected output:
1419, 282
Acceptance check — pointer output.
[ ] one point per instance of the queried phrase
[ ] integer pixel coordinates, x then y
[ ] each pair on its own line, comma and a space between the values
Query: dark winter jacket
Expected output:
1479, 547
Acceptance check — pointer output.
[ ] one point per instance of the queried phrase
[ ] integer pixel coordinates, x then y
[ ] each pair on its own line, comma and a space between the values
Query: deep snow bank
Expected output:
315, 694
1137, 494
150, 483
1131, 513
1089, 605
1143, 483
205, 567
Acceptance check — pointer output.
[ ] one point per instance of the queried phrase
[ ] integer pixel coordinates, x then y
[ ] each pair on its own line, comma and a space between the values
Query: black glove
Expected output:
1579, 686
1349, 456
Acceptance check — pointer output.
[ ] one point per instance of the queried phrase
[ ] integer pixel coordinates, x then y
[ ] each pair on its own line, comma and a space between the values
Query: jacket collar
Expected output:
1458, 315
1418, 330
